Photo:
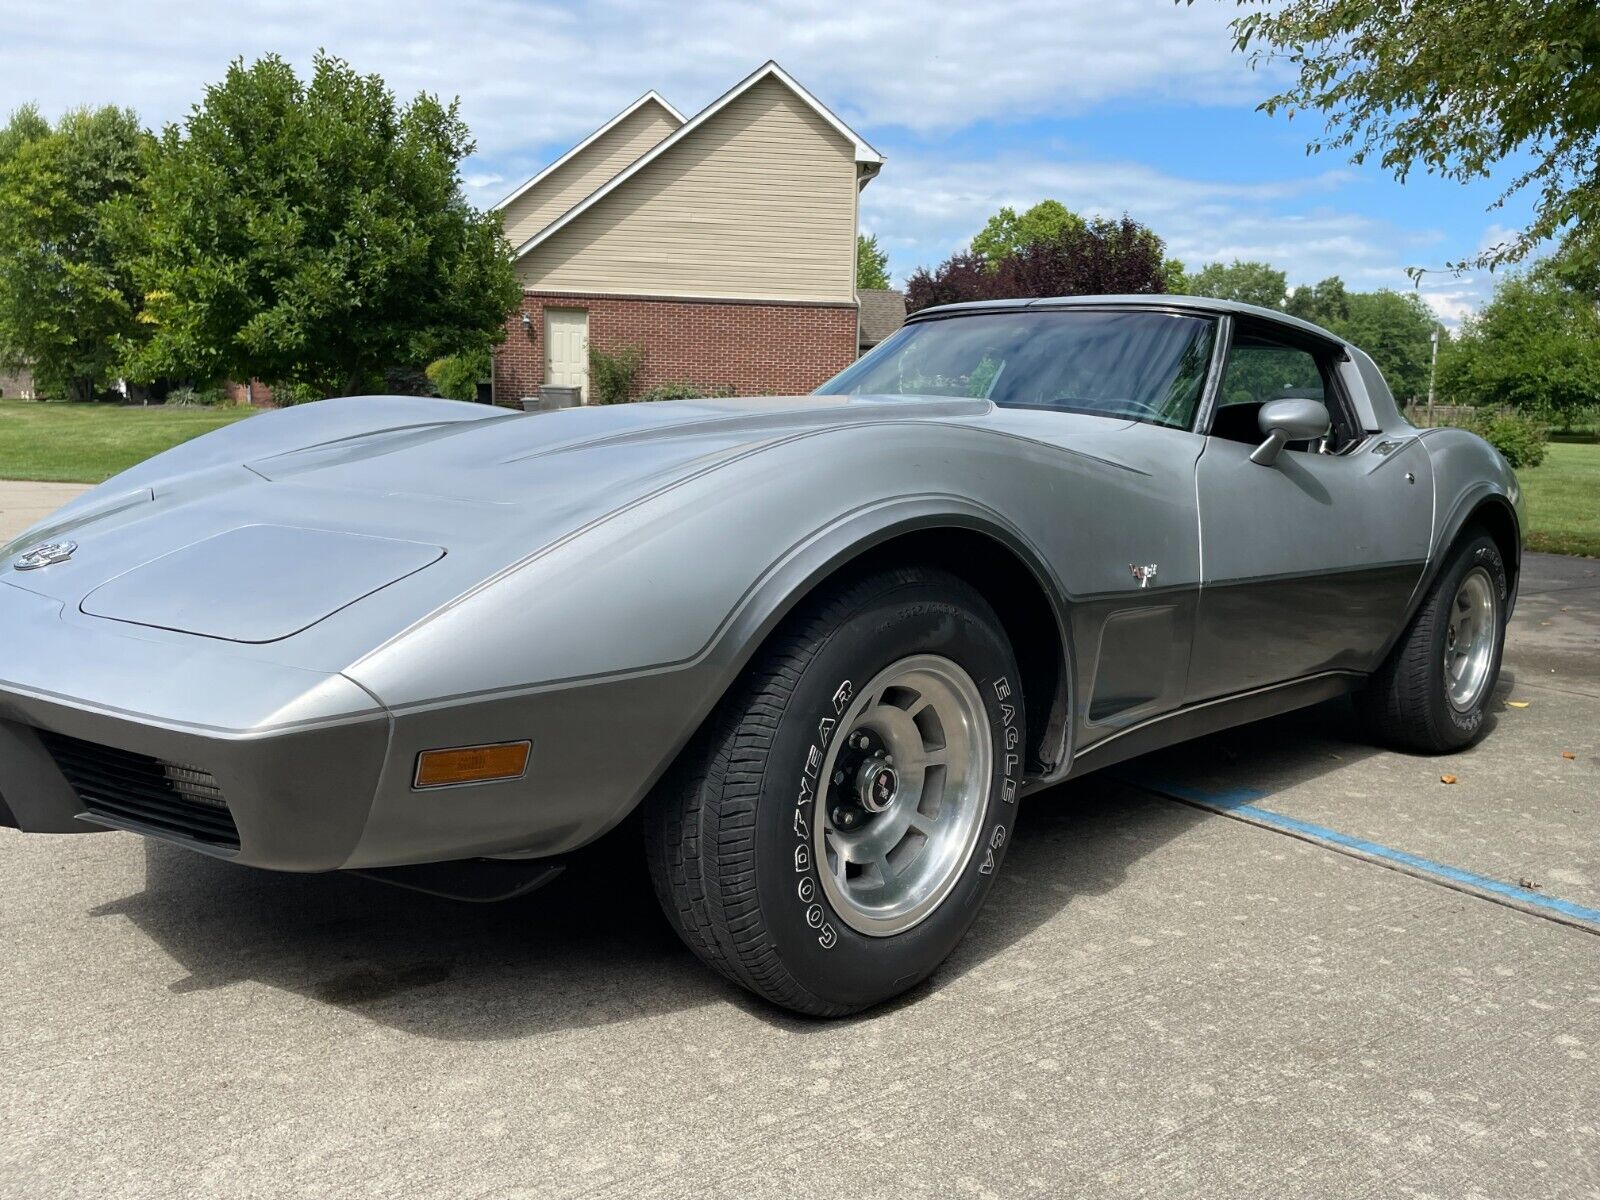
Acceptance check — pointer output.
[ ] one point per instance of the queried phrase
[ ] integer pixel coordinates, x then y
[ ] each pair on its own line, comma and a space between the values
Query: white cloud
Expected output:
924, 210
1496, 236
1452, 304
532, 73
534, 76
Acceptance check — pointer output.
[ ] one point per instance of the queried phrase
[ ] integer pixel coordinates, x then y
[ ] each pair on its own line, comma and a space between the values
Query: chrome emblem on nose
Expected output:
45, 554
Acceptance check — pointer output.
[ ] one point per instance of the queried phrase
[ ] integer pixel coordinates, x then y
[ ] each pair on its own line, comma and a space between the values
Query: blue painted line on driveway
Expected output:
1241, 802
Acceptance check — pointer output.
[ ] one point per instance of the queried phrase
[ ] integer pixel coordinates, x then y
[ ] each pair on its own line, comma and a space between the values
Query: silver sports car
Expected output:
825, 642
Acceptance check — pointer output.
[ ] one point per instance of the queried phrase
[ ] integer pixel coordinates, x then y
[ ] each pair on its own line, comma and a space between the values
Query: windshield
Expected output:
1144, 366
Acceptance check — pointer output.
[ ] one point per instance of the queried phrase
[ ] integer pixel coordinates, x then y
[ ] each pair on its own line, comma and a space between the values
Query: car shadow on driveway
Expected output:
592, 948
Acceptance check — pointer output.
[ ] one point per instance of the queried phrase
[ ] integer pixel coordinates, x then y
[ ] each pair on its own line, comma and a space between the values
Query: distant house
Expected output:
16, 383
722, 244
882, 312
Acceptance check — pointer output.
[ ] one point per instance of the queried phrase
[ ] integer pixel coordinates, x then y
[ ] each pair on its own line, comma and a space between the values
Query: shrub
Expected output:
284, 395
189, 397
612, 376
687, 391
456, 377
1520, 438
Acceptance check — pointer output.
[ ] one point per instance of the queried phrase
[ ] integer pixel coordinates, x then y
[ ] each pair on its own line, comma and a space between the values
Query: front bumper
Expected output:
314, 770
297, 755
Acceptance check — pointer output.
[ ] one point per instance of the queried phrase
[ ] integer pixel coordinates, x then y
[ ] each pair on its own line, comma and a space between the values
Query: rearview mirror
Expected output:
1289, 420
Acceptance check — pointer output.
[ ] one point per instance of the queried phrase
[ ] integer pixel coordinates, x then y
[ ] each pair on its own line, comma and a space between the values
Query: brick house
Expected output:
723, 245
16, 382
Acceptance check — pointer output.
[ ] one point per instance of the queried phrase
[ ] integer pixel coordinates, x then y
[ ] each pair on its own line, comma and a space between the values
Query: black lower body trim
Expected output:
1210, 716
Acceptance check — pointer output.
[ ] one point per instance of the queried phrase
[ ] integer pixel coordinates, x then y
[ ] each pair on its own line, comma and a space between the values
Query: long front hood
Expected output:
580, 458
312, 556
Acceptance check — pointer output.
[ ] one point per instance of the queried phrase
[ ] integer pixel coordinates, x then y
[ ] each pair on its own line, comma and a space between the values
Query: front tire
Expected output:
1432, 694
835, 827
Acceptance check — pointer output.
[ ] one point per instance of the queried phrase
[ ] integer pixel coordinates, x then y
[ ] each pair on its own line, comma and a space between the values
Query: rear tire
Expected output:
882, 723
1432, 693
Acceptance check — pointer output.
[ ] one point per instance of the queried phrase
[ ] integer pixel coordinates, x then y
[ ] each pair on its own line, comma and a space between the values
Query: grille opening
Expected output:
163, 798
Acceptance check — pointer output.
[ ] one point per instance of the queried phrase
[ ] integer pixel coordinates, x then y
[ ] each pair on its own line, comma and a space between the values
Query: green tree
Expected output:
1396, 329
67, 296
1535, 346
1246, 282
1326, 303
1456, 89
1005, 233
872, 264
1098, 257
314, 234
27, 124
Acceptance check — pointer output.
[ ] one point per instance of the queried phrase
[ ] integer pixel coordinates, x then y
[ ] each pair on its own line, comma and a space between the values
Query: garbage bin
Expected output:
553, 395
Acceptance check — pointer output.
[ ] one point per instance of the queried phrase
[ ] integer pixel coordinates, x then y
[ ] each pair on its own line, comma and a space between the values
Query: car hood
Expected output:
268, 546
570, 456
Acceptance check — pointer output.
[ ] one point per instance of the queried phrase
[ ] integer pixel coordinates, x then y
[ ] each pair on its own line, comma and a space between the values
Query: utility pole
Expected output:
1433, 371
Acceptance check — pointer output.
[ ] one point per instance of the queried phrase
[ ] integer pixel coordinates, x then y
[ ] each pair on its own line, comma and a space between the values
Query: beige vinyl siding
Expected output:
757, 203
586, 170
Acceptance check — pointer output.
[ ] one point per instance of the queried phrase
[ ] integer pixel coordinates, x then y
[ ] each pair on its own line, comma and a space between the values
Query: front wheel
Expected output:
831, 834
1432, 693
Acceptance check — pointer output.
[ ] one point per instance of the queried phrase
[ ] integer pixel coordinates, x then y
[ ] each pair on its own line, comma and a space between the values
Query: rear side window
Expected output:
1262, 368
1259, 371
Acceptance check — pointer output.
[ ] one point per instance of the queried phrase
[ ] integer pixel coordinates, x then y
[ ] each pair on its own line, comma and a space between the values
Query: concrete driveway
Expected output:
23, 504
1270, 963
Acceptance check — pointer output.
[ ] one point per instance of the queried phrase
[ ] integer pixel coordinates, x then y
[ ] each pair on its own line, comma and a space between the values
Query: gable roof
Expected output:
650, 97
882, 312
866, 156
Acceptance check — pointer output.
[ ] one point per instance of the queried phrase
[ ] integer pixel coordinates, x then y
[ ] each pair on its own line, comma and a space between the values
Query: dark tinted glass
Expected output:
1142, 365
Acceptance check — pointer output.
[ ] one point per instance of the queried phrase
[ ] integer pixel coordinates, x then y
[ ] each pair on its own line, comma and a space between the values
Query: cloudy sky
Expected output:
1107, 105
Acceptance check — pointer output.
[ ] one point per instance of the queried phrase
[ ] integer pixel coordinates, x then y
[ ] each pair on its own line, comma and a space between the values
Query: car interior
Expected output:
1262, 368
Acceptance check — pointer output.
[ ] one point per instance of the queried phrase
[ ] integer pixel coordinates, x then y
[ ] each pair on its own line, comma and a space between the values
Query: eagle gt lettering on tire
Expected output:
835, 829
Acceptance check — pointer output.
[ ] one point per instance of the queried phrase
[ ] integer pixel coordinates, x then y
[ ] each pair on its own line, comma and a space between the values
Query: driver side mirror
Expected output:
1289, 420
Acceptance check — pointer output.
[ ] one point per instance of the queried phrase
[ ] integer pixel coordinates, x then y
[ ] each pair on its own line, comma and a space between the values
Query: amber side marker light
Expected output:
472, 764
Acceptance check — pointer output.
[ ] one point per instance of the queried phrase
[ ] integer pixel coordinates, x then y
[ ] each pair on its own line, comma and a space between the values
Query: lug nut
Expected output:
838, 777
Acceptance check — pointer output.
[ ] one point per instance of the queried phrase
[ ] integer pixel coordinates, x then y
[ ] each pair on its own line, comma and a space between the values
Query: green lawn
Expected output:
87, 443
1564, 500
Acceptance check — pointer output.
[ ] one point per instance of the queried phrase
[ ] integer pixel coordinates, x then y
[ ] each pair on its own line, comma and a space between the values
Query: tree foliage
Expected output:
1456, 89
314, 234
1244, 282
1326, 303
67, 296
1006, 233
872, 263
1396, 329
1534, 346
1097, 257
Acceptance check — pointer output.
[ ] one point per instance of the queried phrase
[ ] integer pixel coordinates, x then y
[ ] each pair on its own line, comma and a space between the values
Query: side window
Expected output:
1261, 369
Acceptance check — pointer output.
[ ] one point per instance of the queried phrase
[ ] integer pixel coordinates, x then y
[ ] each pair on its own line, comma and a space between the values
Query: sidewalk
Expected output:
22, 504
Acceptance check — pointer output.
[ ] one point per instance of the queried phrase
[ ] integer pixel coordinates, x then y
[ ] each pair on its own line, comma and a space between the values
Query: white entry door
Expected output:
566, 348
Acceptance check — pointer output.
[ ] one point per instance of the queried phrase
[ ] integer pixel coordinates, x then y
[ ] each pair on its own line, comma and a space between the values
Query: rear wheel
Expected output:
1433, 692
834, 829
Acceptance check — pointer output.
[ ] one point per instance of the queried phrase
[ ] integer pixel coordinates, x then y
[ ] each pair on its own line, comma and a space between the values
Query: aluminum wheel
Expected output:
906, 781
1469, 639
